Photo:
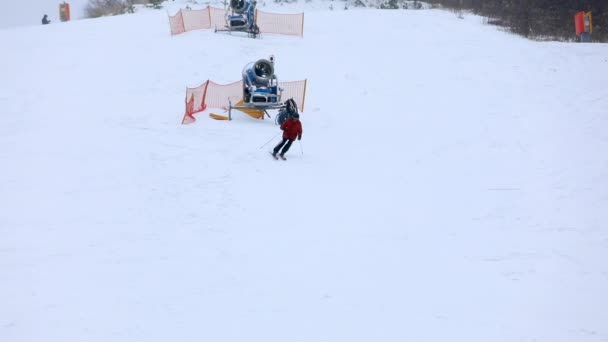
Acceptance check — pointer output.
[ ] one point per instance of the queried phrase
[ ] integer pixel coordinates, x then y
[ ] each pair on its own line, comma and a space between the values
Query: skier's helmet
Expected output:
295, 115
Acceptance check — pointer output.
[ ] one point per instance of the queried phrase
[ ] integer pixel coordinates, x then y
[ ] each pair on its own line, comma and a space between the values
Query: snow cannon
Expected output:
261, 93
241, 17
260, 84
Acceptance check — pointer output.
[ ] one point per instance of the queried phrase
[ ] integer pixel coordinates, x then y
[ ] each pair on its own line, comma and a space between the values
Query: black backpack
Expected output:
287, 112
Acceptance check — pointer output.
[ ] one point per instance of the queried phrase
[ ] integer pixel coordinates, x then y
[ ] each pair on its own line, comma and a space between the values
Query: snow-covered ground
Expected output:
451, 185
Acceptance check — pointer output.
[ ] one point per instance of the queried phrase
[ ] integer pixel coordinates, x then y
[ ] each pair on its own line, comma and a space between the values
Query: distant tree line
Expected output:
537, 19
100, 8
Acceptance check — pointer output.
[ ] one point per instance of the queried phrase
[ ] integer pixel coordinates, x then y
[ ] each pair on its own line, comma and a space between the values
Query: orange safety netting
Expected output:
214, 95
212, 18
289, 24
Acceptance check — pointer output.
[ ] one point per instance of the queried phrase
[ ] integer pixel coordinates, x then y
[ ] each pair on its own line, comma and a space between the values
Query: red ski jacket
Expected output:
292, 129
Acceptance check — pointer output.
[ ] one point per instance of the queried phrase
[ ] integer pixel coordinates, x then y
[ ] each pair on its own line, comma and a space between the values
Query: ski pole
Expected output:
301, 149
266, 143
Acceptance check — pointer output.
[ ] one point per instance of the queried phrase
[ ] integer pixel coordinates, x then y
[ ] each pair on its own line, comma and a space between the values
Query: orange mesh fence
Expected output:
290, 24
196, 19
176, 22
210, 18
214, 95
194, 102
218, 18
218, 95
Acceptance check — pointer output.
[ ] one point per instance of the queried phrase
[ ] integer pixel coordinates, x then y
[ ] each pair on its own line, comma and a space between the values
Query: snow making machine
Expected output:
261, 91
240, 17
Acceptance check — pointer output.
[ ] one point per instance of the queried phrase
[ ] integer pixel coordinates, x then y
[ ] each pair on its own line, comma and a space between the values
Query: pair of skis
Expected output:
277, 157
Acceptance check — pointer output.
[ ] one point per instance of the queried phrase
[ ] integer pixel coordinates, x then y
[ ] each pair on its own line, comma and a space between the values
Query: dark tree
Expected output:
538, 19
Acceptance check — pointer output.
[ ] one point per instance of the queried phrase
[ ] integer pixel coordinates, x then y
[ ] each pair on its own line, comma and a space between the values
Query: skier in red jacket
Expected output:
292, 128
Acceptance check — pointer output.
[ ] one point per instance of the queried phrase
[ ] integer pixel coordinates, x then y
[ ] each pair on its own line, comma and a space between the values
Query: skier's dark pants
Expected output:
287, 144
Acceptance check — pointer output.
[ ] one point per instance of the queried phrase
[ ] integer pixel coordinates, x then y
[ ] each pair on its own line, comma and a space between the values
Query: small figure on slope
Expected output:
292, 129
45, 20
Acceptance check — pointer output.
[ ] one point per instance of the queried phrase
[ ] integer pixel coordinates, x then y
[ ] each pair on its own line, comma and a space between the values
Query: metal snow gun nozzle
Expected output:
240, 6
260, 85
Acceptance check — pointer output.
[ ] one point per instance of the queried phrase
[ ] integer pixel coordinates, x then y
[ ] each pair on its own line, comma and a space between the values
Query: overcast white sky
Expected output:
30, 12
